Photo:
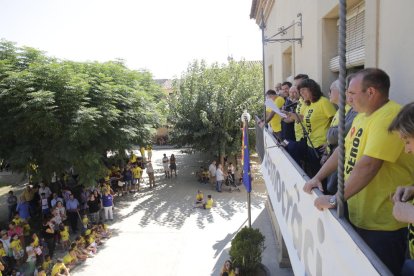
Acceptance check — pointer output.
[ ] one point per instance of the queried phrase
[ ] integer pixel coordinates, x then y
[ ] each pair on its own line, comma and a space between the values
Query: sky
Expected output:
161, 36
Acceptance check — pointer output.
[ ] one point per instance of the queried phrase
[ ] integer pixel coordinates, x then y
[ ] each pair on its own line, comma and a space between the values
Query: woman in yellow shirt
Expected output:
317, 117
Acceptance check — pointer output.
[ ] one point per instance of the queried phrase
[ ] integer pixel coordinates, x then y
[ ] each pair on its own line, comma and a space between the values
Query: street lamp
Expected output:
245, 116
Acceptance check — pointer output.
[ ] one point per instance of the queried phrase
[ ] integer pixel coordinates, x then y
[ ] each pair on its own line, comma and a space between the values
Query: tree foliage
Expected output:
208, 102
246, 250
59, 114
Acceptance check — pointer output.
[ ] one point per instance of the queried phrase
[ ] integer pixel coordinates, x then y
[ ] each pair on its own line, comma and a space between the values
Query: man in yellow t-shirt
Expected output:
136, 175
273, 119
375, 164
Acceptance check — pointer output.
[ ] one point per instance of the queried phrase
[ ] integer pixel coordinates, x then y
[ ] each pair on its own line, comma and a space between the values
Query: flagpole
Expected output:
246, 164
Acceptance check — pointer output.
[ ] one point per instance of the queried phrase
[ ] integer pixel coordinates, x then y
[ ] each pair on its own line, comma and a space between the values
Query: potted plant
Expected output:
246, 250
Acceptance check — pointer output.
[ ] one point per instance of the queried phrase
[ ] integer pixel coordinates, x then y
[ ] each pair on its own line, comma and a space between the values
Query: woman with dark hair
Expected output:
404, 196
317, 116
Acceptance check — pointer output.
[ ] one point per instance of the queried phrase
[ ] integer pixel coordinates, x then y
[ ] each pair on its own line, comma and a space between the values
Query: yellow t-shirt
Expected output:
136, 172
133, 158
68, 259
85, 221
36, 242
46, 264
209, 203
199, 197
16, 245
56, 268
18, 221
64, 235
371, 208
335, 119
316, 119
275, 122
300, 108
26, 229
142, 150
2, 252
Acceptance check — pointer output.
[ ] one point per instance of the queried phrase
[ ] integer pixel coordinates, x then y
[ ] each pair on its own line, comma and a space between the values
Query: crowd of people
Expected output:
65, 218
379, 174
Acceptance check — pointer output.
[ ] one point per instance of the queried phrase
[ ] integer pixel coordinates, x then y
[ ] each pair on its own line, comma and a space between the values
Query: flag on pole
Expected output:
246, 158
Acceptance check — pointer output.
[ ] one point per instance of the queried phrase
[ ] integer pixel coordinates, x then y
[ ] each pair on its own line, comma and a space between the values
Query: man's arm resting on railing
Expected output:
364, 171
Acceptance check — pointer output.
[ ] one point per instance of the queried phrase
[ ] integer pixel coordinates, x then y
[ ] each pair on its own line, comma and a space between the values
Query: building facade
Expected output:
378, 35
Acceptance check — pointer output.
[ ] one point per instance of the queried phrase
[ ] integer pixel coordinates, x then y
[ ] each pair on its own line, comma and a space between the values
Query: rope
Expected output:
342, 103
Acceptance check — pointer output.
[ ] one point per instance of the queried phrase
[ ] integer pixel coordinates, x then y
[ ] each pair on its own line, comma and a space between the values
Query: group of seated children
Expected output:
82, 247
24, 251
202, 175
200, 203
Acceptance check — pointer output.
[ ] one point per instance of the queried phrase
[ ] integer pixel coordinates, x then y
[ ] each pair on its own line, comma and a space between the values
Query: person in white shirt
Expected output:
165, 163
219, 177
212, 171
44, 189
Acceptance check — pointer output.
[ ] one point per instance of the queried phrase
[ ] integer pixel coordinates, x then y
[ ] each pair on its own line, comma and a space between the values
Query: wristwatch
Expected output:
332, 201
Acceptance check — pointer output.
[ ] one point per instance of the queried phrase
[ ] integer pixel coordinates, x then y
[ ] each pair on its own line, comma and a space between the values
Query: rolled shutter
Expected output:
355, 39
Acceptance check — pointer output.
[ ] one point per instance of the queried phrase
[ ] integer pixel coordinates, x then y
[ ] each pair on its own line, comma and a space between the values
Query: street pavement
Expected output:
158, 232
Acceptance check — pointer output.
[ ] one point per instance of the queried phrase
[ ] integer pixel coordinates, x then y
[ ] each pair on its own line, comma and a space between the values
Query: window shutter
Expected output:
355, 39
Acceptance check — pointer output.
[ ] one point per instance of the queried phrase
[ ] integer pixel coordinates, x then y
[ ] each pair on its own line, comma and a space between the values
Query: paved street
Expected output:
158, 232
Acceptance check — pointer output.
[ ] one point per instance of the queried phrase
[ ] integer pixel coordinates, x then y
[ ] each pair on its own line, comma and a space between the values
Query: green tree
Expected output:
246, 250
208, 101
58, 114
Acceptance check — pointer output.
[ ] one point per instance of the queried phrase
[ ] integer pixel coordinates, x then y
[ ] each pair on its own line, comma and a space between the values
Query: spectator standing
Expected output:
288, 124
72, 211
136, 175
150, 172
94, 208
149, 152
375, 164
142, 150
403, 198
212, 169
273, 119
44, 189
165, 162
107, 203
11, 204
317, 117
332, 134
173, 165
219, 177
127, 177
23, 208
55, 199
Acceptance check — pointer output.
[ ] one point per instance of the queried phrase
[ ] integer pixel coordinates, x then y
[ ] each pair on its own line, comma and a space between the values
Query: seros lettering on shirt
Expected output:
353, 153
308, 120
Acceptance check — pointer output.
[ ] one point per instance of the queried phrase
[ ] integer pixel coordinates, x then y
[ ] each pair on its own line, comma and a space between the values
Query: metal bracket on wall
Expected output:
283, 31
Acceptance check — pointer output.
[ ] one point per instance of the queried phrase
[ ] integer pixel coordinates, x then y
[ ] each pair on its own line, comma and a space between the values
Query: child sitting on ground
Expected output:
47, 264
70, 259
209, 203
104, 231
64, 236
205, 176
199, 199
59, 268
85, 222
